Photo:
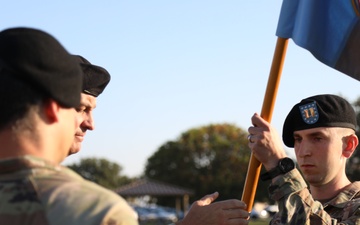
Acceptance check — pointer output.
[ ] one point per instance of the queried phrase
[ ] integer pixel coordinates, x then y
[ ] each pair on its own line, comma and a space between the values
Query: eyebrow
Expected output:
312, 134
87, 104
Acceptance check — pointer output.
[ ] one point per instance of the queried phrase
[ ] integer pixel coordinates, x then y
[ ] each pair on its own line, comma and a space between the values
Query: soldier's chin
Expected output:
75, 148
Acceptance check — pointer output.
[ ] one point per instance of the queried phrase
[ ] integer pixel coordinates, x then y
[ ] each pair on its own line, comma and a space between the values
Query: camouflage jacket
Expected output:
296, 205
33, 191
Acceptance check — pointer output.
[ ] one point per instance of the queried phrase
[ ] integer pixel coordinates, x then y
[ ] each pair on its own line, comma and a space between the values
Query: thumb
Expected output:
207, 199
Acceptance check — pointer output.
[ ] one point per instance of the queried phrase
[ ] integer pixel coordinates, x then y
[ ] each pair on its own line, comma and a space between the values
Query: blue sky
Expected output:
176, 65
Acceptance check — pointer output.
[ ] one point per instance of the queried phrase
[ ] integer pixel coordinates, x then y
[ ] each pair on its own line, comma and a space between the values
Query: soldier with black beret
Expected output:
321, 129
40, 89
95, 80
202, 211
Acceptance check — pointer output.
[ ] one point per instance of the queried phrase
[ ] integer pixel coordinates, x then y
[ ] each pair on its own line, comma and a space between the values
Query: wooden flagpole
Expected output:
254, 167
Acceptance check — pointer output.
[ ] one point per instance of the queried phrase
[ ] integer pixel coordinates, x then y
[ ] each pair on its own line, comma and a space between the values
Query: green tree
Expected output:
101, 171
205, 159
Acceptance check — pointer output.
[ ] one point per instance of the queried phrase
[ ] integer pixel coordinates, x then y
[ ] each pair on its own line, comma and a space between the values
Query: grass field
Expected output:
158, 222
259, 222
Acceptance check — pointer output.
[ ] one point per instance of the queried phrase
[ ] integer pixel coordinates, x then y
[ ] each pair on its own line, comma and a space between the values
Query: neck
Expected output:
14, 144
330, 190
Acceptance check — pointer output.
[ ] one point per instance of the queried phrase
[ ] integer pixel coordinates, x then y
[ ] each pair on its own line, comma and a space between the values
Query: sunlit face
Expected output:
85, 119
319, 153
69, 122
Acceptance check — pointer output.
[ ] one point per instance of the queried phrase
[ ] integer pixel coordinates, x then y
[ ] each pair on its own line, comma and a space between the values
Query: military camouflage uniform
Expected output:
33, 191
296, 205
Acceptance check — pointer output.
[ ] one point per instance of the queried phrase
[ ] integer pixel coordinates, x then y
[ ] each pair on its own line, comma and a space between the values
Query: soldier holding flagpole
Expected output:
321, 129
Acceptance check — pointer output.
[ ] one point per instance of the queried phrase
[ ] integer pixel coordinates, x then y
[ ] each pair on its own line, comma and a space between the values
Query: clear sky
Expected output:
176, 65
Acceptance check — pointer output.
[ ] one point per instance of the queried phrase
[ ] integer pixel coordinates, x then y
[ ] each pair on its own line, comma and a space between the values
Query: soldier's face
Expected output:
319, 153
85, 121
68, 122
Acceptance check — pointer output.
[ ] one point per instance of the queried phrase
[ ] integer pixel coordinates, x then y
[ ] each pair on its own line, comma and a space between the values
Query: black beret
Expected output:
38, 59
318, 111
95, 78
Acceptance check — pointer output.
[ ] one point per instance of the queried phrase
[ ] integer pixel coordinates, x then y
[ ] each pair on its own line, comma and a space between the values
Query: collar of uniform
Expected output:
10, 165
348, 193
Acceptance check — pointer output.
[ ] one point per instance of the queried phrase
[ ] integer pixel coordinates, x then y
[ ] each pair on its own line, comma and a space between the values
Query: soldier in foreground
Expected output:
40, 86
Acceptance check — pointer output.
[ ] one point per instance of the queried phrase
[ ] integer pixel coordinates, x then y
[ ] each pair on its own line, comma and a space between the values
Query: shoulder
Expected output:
352, 190
64, 185
66, 193
355, 185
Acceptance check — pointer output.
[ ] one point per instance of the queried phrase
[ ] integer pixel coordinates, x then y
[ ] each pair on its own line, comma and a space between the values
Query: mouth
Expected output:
79, 137
307, 166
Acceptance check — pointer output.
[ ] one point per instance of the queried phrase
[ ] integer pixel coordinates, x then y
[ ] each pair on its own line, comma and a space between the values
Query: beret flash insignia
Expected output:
309, 113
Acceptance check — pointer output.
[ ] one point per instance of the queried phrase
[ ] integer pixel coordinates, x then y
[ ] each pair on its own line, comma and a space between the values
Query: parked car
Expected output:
254, 214
155, 213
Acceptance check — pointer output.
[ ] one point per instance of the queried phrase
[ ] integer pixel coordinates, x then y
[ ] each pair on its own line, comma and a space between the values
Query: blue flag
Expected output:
329, 29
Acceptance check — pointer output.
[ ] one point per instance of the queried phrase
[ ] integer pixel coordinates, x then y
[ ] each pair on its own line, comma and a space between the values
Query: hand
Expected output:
228, 212
265, 142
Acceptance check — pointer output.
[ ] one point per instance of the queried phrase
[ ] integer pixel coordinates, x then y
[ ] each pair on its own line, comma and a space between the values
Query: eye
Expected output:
80, 110
317, 138
87, 110
297, 139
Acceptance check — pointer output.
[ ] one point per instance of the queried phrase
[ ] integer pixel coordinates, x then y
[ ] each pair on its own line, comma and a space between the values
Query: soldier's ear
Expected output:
51, 109
351, 142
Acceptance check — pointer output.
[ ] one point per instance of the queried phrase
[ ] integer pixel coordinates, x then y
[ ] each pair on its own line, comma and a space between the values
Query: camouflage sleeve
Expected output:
296, 205
120, 214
